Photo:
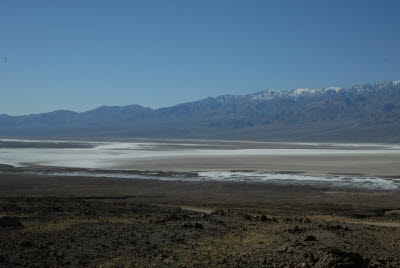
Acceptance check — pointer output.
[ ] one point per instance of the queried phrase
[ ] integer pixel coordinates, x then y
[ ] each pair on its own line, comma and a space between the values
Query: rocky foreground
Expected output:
75, 232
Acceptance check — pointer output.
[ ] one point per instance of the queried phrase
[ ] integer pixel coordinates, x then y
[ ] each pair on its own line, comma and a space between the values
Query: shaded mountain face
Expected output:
368, 112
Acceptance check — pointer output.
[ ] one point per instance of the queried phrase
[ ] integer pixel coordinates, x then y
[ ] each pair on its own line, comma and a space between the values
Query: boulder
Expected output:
10, 222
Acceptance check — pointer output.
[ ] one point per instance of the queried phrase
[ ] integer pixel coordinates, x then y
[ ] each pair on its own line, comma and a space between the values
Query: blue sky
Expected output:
78, 55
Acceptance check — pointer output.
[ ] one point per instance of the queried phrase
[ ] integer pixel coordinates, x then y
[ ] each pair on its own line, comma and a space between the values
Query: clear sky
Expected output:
78, 55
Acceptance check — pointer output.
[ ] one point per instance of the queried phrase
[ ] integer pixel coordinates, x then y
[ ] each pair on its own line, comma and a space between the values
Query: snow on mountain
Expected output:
267, 95
294, 94
371, 109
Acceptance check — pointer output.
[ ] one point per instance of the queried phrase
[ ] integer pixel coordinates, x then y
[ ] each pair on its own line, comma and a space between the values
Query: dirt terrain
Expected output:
96, 222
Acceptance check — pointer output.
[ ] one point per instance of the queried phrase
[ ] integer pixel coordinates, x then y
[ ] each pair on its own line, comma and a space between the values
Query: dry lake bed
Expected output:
343, 165
198, 203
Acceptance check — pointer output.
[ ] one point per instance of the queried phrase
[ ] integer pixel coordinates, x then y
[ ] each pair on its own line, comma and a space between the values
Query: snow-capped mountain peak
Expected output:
294, 93
308, 93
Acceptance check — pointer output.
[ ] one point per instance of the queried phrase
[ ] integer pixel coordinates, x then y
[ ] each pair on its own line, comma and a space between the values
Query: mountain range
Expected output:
364, 112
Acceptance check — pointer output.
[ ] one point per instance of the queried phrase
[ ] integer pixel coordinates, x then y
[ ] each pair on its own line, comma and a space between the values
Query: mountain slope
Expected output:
368, 112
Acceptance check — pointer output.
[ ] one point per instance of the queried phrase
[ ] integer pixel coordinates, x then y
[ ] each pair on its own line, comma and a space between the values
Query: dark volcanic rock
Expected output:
337, 227
267, 219
198, 226
26, 244
310, 238
128, 234
10, 222
195, 225
295, 230
339, 259
247, 217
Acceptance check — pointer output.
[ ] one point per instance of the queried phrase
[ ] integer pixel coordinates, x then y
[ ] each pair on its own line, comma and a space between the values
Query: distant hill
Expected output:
367, 112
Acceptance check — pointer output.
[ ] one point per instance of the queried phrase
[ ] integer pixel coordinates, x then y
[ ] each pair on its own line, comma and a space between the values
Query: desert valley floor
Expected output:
196, 203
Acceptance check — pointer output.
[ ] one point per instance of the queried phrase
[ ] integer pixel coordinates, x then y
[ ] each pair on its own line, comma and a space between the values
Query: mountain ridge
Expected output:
255, 96
268, 114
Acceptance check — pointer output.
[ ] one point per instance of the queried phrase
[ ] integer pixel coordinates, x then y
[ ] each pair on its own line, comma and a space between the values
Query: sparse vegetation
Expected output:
65, 232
